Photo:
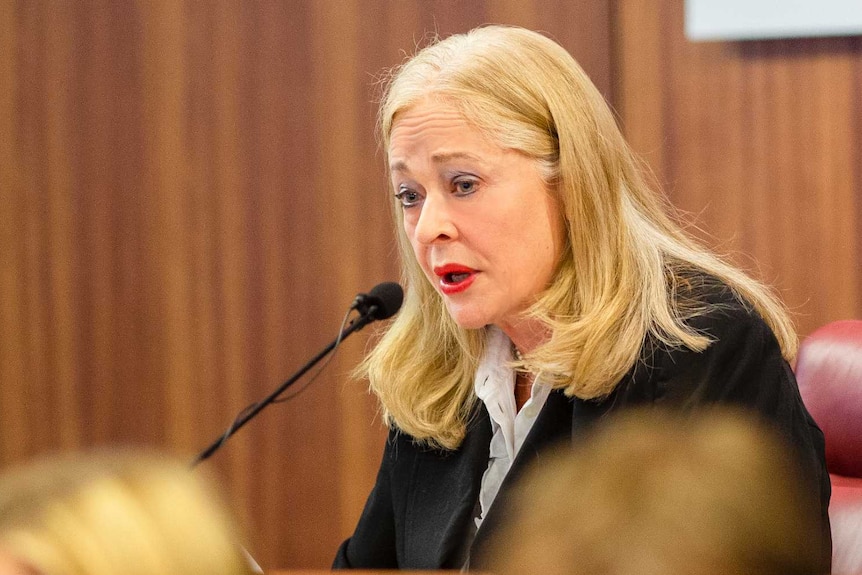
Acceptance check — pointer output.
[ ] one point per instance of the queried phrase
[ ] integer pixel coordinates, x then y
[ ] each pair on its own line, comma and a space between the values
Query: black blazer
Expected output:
420, 513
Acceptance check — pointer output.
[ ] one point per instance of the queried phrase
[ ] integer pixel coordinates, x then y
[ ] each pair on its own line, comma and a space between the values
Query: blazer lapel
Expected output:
553, 425
439, 522
563, 421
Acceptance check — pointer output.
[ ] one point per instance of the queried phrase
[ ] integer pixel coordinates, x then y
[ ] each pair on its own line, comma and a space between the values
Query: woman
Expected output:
114, 512
545, 287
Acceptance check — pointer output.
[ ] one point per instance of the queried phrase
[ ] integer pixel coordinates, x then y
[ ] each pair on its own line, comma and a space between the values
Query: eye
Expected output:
408, 197
464, 186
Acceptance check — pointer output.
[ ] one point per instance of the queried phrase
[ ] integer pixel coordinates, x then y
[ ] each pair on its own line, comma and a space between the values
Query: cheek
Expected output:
408, 224
551, 244
410, 234
419, 251
540, 250
553, 232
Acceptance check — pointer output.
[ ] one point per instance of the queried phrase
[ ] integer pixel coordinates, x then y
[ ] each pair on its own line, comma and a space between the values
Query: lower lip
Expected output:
450, 289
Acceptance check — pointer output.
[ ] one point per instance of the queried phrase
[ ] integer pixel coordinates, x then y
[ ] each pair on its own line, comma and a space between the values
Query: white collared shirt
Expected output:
495, 386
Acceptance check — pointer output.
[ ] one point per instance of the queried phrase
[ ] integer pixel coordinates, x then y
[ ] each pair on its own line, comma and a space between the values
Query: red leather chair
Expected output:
829, 371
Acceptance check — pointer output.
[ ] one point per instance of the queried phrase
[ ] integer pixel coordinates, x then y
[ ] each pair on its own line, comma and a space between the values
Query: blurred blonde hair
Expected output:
651, 493
625, 265
116, 512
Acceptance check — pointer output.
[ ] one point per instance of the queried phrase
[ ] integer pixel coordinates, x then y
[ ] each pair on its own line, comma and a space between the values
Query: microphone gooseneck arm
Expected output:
381, 307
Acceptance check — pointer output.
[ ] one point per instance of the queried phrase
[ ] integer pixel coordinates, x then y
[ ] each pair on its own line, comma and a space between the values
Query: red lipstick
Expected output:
454, 278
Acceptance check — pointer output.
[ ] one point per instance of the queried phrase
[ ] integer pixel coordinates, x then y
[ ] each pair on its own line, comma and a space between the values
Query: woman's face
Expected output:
482, 224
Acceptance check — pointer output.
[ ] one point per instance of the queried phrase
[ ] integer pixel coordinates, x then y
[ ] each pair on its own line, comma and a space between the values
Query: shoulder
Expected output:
742, 360
713, 309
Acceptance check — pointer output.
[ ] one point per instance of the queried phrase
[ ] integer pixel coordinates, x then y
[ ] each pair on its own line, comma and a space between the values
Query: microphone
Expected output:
382, 302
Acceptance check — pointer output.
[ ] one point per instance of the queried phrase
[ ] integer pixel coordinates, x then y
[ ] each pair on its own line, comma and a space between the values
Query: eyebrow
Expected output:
441, 158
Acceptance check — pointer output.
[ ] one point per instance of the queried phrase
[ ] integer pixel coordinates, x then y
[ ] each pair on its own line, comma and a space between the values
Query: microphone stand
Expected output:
368, 315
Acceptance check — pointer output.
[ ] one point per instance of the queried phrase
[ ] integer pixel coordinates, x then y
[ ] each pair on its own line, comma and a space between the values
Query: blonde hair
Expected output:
116, 512
658, 493
628, 272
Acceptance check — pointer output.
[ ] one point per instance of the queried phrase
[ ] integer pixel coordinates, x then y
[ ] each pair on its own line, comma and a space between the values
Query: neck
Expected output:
527, 334
523, 389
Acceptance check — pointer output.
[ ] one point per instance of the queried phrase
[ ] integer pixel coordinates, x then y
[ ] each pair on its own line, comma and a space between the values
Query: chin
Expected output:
468, 318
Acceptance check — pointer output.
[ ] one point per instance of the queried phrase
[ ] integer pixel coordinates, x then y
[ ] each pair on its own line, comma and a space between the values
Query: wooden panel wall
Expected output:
190, 197
760, 142
191, 194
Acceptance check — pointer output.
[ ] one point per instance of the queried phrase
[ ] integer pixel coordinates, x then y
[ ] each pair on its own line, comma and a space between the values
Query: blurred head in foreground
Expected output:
114, 513
652, 493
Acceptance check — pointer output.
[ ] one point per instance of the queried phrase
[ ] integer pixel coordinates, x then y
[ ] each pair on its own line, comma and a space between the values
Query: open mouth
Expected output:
454, 278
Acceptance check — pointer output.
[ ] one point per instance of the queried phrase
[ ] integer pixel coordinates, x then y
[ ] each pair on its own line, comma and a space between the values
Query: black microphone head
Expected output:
387, 297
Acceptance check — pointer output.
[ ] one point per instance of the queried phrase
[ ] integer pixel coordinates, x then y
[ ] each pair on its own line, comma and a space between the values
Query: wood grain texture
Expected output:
191, 195
760, 143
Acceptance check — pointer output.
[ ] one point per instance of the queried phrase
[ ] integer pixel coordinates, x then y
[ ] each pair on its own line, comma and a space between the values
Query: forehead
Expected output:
438, 131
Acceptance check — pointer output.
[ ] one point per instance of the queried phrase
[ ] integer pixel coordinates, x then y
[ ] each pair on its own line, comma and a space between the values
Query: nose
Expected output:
435, 223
